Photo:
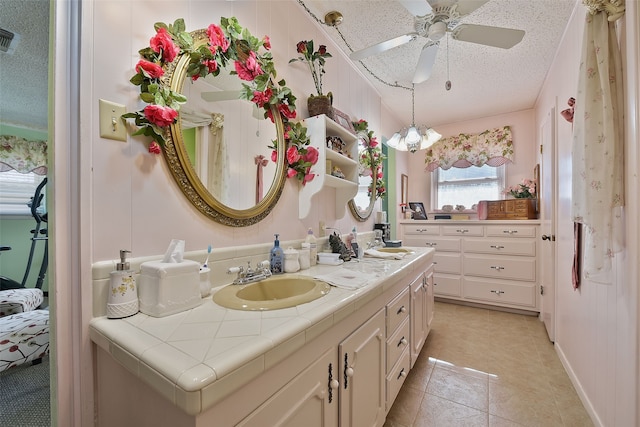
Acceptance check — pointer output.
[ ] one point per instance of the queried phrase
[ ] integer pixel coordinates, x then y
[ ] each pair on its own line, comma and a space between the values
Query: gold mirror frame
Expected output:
185, 176
364, 214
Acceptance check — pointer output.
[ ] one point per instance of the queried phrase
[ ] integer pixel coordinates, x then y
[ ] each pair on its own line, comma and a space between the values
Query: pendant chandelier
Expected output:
413, 138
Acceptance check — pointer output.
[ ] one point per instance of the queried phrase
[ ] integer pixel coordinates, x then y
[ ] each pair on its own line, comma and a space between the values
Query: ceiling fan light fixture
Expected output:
437, 30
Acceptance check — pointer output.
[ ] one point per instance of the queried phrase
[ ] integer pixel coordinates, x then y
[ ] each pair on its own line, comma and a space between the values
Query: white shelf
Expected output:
319, 128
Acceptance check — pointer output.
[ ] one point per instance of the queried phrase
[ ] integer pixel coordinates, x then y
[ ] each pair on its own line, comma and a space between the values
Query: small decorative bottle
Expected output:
354, 243
277, 257
313, 247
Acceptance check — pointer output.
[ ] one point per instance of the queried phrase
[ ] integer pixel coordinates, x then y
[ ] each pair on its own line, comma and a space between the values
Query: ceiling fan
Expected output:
432, 20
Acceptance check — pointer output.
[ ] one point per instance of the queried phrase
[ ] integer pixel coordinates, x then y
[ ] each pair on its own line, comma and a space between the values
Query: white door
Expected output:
547, 200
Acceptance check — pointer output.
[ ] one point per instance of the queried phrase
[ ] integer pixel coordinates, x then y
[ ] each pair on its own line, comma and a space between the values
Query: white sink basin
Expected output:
273, 293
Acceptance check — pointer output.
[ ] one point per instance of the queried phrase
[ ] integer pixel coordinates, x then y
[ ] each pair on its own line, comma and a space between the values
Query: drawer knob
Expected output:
497, 267
403, 341
462, 230
431, 244
509, 231
402, 310
497, 246
402, 374
497, 292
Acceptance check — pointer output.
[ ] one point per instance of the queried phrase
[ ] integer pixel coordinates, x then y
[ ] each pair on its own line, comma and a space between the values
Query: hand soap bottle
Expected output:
123, 293
277, 257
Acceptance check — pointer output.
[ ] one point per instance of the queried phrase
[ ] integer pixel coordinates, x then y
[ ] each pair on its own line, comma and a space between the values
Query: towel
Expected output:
385, 255
347, 279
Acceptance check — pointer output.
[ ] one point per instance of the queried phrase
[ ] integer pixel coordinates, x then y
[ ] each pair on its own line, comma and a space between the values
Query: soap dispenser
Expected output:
277, 257
123, 293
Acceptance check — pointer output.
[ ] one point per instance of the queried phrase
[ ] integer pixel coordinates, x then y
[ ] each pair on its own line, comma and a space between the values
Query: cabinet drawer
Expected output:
504, 267
462, 230
447, 285
398, 310
511, 231
446, 263
523, 294
526, 247
396, 378
450, 244
420, 229
397, 343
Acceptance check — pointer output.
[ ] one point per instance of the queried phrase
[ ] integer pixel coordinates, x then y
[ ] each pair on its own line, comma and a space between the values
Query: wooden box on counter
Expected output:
512, 209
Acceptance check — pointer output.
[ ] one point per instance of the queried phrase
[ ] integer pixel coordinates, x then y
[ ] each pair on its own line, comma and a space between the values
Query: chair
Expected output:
24, 337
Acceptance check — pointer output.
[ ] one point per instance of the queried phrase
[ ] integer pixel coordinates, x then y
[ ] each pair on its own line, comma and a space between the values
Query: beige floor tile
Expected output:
405, 408
438, 412
482, 367
468, 390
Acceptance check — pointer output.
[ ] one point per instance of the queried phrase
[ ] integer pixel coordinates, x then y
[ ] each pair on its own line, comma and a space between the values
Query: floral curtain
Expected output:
493, 147
22, 155
598, 157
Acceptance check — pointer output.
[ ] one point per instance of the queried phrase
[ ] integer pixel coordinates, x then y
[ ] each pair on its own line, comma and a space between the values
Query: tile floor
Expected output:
487, 368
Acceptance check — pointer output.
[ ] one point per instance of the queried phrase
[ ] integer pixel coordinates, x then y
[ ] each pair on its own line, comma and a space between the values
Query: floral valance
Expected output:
493, 147
22, 155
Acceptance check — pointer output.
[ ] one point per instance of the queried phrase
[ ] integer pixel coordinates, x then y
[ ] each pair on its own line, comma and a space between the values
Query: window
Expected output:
466, 186
16, 191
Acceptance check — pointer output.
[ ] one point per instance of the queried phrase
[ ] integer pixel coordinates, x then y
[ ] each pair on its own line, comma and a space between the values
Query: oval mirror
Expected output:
218, 149
362, 204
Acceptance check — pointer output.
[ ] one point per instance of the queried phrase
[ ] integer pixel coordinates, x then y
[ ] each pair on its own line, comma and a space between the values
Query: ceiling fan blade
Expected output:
417, 7
504, 38
425, 63
381, 47
465, 7
223, 95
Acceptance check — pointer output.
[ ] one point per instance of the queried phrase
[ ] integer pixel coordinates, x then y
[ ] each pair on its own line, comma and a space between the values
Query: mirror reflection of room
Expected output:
227, 141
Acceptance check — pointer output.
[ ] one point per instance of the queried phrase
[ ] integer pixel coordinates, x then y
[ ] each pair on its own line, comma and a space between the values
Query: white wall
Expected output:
596, 326
135, 203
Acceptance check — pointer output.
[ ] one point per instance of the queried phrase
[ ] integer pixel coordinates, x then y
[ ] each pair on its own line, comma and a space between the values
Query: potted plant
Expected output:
320, 103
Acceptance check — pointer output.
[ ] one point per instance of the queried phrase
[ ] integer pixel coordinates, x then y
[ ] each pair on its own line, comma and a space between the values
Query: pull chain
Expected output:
447, 84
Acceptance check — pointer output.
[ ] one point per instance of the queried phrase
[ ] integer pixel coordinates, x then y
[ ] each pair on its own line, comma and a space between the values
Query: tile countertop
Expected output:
194, 357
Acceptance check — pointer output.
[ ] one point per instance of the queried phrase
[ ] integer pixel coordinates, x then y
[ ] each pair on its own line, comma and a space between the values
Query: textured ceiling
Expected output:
485, 80
23, 74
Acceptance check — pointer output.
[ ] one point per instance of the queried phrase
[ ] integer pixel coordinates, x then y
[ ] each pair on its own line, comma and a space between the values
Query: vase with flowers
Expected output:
320, 103
525, 190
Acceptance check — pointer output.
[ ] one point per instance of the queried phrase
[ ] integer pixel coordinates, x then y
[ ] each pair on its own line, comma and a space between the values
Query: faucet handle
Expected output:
233, 270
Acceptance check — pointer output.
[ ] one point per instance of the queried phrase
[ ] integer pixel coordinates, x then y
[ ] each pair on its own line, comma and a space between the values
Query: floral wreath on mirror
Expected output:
228, 43
371, 157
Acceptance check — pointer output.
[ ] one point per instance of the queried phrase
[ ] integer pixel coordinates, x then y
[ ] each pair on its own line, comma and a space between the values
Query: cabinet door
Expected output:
362, 375
418, 317
430, 296
308, 400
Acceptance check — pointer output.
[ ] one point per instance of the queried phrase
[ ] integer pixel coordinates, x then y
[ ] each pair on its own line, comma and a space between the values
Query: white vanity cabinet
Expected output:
362, 367
488, 262
344, 368
344, 386
310, 399
319, 128
422, 301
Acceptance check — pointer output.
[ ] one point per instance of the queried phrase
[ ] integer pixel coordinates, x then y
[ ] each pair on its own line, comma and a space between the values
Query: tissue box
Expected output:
168, 288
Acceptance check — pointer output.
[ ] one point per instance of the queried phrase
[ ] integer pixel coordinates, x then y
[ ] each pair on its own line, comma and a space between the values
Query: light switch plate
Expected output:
112, 125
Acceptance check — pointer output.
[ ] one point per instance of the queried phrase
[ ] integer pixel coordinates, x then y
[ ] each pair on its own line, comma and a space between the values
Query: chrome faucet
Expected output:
250, 275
